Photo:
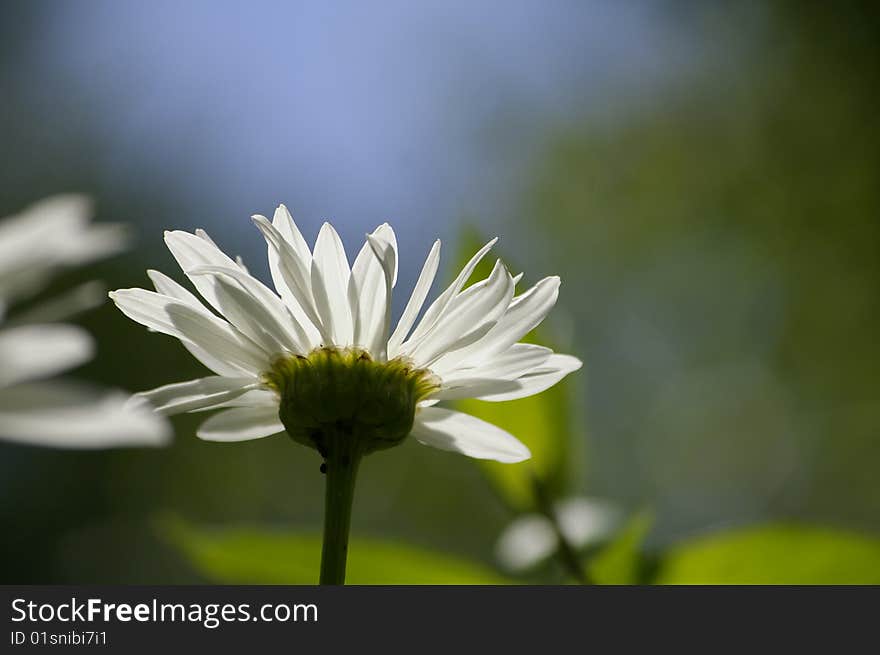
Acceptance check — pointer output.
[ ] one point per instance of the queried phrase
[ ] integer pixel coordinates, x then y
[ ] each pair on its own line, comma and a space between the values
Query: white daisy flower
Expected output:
53, 234
316, 357
532, 538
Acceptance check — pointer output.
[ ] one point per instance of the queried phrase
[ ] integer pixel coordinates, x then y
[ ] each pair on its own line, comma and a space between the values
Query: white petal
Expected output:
241, 424
197, 394
62, 415
264, 316
526, 311
494, 377
586, 521
530, 539
289, 233
56, 231
284, 223
168, 287
248, 315
65, 305
526, 542
329, 275
37, 351
386, 233
250, 398
416, 300
552, 371
295, 272
207, 332
475, 388
192, 251
465, 434
517, 360
50, 234
439, 306
467, 318
369, 290
197, 254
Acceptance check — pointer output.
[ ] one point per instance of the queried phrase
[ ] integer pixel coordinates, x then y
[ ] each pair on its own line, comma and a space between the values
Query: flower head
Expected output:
52, 234
317, 354
531, 538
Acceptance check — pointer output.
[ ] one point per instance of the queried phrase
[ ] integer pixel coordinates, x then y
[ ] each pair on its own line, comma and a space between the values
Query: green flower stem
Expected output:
341, 461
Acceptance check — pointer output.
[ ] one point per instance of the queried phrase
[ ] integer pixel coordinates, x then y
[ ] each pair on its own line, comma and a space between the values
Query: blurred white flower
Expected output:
318, 355
50, 235
531, 538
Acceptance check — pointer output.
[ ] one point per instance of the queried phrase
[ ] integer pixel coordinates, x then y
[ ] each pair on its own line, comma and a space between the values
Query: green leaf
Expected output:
545, 422
252, 555
621, 561
780, 554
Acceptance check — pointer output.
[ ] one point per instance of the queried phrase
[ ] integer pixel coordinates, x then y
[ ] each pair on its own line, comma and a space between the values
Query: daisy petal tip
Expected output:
516, 454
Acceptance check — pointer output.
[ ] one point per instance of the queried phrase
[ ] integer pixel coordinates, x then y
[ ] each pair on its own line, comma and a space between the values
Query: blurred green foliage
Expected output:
261, 556
720, 249
622, 561
779, 554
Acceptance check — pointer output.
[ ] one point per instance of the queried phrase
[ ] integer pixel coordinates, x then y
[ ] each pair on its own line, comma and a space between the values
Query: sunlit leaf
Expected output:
252, 555
781, 554
621, 561
545, 422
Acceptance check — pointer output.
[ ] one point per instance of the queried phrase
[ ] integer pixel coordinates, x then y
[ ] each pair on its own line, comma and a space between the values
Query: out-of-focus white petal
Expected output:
585, 521
525, 542
177, 319
450, 430
65, 305
51, 234
552, 371
197, 394
330, 274
416, 300
30, 352
241, 424
531, 539
63, 415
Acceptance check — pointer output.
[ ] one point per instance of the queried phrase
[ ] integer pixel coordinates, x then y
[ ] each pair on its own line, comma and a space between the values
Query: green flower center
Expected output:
334, 394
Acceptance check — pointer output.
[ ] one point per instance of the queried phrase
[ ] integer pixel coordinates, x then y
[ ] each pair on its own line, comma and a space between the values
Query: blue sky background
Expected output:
416, 113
